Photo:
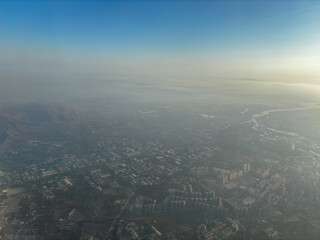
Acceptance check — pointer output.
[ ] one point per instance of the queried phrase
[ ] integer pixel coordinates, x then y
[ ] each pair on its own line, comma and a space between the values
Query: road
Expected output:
116, 218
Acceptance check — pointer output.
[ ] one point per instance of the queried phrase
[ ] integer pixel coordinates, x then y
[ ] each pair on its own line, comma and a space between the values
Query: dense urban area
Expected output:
119, 170
159, 120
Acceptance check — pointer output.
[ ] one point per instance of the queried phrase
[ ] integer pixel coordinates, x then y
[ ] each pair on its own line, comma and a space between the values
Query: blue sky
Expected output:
276, 40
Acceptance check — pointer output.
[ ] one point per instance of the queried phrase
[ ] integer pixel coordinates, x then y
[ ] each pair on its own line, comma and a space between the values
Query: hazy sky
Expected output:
264, 40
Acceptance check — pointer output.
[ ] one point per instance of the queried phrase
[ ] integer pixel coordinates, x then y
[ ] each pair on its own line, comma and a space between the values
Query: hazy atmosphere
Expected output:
48, 44
159, 120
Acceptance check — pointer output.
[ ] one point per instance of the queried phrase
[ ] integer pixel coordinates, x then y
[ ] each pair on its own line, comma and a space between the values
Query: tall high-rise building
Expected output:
246, 167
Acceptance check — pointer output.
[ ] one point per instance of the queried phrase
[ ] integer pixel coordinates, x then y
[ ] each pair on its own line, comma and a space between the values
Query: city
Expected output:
205, 182
159, 120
